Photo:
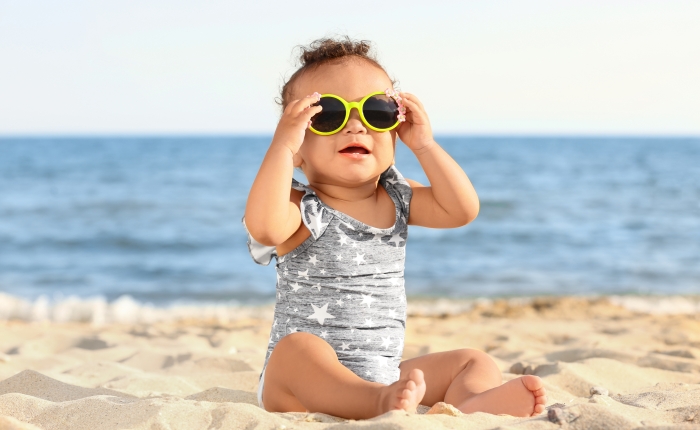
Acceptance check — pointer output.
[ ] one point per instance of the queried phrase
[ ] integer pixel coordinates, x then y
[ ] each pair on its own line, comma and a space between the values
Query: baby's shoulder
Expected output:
413, 184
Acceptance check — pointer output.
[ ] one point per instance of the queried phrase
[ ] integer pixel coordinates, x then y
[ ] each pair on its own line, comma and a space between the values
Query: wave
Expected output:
659, 305
126, 310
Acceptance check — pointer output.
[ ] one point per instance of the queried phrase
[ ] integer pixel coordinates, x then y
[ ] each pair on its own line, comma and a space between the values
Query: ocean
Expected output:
158, 219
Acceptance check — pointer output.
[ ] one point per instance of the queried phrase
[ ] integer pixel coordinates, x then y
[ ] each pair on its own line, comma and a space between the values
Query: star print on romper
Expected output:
367, 299
359, 259
320, 313
316, 224
396, 239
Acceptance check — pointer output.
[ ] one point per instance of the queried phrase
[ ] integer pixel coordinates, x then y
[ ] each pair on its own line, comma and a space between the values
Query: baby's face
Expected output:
327, 159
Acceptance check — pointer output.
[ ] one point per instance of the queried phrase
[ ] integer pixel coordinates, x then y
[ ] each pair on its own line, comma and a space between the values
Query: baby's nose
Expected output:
354, 124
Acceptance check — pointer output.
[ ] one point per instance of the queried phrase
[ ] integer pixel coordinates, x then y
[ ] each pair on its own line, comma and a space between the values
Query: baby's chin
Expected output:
353, 173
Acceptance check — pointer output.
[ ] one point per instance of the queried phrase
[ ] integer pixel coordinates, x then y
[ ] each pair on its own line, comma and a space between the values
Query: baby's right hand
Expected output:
294, 122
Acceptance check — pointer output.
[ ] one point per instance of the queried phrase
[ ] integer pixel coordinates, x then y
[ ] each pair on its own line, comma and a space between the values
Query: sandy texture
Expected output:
202, 374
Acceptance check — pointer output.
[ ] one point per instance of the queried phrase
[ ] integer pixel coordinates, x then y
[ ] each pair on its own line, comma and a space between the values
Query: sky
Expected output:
491, 67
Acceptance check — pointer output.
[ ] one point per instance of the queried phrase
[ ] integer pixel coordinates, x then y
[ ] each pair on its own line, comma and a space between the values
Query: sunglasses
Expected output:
378, 111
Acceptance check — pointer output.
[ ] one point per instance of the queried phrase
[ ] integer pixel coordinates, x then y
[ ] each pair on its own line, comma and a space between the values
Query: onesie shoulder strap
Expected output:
314, 214
393, 179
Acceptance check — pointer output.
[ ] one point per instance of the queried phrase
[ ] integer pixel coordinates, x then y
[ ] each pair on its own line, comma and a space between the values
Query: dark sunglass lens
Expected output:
381, 111
331, 117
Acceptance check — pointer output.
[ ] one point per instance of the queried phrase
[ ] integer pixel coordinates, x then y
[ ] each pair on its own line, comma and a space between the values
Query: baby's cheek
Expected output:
316, 156
385, 147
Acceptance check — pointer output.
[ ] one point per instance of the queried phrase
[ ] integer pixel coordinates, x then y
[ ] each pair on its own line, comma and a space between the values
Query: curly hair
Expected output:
324, 51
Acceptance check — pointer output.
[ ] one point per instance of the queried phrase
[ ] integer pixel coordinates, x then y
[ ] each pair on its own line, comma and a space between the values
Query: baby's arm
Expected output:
451, 200
270, 215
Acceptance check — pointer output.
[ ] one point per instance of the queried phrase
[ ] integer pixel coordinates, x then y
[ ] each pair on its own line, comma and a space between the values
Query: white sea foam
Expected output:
126, 310
658, 304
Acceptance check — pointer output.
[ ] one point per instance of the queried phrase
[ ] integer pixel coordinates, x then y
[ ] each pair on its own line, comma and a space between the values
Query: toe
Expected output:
539, 392
532, 382
416, 375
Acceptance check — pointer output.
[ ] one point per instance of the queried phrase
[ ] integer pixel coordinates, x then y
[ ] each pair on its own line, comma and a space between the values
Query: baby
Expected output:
340, 314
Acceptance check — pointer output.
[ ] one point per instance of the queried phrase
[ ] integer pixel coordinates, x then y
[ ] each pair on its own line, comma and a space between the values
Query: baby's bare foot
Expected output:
404, 394
520, 397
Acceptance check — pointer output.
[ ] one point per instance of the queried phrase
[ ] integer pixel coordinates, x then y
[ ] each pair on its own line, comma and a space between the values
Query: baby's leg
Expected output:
470, 380
303, 373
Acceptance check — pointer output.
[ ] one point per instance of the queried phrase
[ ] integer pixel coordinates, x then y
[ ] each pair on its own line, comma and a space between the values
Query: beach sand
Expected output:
203, 373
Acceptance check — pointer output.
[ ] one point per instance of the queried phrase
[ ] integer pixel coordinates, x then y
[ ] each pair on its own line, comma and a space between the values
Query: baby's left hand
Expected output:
415, 132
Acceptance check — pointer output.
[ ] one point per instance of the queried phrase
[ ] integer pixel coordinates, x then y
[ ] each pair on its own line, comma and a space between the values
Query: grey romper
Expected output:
345, 284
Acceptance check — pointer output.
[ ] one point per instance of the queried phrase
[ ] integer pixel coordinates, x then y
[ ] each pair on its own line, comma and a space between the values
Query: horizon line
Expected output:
269, 135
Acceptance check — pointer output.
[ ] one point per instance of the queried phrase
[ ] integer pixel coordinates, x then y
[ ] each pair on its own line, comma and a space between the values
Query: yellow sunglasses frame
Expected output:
348, 107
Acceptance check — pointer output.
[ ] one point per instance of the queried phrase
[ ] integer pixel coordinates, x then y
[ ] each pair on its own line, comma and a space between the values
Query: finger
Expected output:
306, 115
404, 131
415, 111
305, 103
290, 106
311, 111
412, 98
410, 103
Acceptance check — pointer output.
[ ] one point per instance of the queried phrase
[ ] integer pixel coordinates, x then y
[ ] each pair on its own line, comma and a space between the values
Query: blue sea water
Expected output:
159, 219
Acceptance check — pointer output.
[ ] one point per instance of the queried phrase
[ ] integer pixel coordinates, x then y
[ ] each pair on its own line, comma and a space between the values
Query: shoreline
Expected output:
125, 309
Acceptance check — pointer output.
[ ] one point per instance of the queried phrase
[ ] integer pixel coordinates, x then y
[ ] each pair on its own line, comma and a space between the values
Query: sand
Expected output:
202, 373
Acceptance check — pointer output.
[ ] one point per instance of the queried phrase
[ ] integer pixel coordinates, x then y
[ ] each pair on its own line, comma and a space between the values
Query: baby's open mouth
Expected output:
354, 150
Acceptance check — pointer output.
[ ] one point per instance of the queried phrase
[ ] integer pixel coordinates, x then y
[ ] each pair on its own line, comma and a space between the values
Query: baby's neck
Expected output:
350, 194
